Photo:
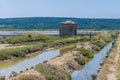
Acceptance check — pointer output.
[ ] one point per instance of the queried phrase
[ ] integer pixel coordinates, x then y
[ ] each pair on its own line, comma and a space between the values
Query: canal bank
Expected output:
110, 69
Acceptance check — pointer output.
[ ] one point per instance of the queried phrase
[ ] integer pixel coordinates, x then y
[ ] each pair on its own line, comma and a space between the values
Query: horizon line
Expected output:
57, 17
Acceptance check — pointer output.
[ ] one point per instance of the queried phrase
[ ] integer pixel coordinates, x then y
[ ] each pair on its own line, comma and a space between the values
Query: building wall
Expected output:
68, 30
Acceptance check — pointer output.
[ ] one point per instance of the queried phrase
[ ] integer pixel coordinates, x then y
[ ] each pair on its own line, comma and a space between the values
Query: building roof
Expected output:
68, 22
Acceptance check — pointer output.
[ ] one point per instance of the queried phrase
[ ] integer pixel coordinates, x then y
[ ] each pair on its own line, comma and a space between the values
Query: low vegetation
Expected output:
43, 39
118, 74
80, 61
95, 48
28, 38
52, 73
18, 52
118, 71
86, 52
29, 77
99, 44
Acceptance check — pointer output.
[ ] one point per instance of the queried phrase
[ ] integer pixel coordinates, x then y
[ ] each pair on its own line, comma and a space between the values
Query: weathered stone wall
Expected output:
68, 29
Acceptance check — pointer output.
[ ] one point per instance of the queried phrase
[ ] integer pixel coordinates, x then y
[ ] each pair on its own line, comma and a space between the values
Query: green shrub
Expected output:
18, 52
52, 72
99, 44
86, 52
28, 38
3, 57
66, 40
106, 37
80, 61
96, 48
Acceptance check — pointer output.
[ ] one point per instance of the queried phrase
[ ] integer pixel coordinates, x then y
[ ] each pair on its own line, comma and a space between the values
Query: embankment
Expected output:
109, 68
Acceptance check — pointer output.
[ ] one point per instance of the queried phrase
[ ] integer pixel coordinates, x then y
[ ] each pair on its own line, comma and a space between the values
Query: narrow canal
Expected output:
27, 63
92, 66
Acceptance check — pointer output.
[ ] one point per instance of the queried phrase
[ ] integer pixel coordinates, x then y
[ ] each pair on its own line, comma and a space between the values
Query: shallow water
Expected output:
22, 64
8, 34
92, 66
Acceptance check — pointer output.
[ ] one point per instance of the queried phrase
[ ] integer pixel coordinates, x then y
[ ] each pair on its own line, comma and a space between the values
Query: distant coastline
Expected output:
53, 23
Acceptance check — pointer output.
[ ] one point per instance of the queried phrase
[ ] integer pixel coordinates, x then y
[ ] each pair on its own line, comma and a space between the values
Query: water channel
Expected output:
27, 63
92, 66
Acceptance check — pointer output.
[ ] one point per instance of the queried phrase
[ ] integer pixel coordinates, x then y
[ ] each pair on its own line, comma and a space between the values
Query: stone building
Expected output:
68, 28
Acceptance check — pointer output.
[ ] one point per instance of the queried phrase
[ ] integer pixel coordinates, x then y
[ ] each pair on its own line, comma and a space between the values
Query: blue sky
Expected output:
60, 8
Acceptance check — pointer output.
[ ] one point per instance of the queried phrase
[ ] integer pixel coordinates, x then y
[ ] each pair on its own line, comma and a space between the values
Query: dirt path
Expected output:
110, 66
66, 62
6, 46
31, 74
